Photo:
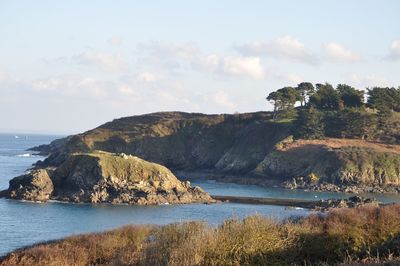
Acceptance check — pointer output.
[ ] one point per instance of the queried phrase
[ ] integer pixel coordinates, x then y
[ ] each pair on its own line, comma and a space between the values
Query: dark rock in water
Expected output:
351, 202
105, 177
34, 186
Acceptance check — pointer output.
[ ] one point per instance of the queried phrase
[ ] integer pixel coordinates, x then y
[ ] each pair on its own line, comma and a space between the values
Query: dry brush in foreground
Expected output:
346, 237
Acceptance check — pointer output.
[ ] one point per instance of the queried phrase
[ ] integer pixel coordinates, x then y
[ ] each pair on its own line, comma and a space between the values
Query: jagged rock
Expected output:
351, 202
105, 177
34, 186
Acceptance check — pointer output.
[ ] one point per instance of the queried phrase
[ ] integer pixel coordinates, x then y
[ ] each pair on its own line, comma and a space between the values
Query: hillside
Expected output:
249, 145
225, 143
346, 165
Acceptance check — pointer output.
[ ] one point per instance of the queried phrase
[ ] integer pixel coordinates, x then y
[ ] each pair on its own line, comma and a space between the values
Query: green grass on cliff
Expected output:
370, 166
347, 236
121, 166
127, 167
338, 161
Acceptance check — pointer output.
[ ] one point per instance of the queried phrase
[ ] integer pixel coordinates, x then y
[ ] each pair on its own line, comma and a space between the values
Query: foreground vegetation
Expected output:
347, 236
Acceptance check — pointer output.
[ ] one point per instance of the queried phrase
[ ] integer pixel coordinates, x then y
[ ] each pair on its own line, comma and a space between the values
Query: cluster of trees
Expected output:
344, 111
322, 96
285, 99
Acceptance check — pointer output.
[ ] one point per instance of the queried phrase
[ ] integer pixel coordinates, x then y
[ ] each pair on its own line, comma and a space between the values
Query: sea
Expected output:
25, 223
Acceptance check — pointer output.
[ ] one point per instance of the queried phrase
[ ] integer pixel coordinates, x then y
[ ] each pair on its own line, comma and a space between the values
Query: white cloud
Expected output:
285, 47
104, 61
289, 78
209, 63
4, 76
394, 52
146, 77
185, 51
49, 84
93, 87
243, 66
127, 90
187, 56
365, 81
221, 99
70, 85
116, 41
338, 53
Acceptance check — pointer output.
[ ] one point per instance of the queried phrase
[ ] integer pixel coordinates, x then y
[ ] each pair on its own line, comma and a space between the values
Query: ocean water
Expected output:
25, 223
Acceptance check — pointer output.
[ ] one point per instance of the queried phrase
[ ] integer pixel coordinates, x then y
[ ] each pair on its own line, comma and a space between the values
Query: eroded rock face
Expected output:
348, 169
34, 186
105, 177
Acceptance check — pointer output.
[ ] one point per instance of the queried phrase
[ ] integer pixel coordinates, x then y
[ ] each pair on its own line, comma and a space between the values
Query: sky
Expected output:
69, 66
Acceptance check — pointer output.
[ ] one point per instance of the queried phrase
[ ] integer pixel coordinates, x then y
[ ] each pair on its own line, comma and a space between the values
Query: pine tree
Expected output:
310, 124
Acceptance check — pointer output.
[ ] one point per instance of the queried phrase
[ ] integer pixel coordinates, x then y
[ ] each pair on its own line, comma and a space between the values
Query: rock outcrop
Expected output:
353, 166
105, 177
241, 145
34, 186
352, 202
181, 141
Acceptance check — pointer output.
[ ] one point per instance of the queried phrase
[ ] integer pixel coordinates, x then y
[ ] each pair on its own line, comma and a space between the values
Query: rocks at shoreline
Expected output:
337, 165
306, 184
105, 177
351, 202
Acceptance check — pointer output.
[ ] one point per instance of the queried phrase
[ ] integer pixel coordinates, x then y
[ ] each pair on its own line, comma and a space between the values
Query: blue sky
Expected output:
68, 66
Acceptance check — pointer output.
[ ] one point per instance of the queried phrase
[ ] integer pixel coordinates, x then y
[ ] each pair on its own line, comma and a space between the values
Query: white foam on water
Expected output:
24, 155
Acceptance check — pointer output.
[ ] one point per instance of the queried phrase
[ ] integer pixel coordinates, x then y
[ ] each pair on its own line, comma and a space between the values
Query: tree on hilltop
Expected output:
284, 100
326, 98
310, 124
382, 98
350, 96
305, 89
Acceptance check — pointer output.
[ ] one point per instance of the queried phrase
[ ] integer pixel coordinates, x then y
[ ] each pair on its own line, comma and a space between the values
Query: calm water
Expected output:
25, 223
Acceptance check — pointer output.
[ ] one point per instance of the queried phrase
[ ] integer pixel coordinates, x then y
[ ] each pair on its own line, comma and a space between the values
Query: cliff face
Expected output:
181, 141
335, 161
241, 145
105, 177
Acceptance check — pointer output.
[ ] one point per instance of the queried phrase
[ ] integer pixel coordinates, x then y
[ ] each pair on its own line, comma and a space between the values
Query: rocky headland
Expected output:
247, 148
336, 165
104, 177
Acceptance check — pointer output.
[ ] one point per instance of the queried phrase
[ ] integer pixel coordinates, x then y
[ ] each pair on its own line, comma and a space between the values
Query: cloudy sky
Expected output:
68, 66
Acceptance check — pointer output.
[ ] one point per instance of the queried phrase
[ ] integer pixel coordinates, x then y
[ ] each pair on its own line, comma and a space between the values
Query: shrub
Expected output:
367, 234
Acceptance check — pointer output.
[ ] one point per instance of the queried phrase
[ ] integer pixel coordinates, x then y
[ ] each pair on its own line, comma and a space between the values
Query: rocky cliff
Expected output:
104, 177
182, 141
334, 164
241, 145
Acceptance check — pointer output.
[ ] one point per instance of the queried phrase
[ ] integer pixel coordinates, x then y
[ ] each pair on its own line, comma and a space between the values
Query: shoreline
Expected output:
264, 181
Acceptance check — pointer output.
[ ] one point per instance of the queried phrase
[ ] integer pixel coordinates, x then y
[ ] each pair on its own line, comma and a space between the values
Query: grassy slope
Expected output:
227, 143
109, 165
241, 144
336, 160
347, 235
